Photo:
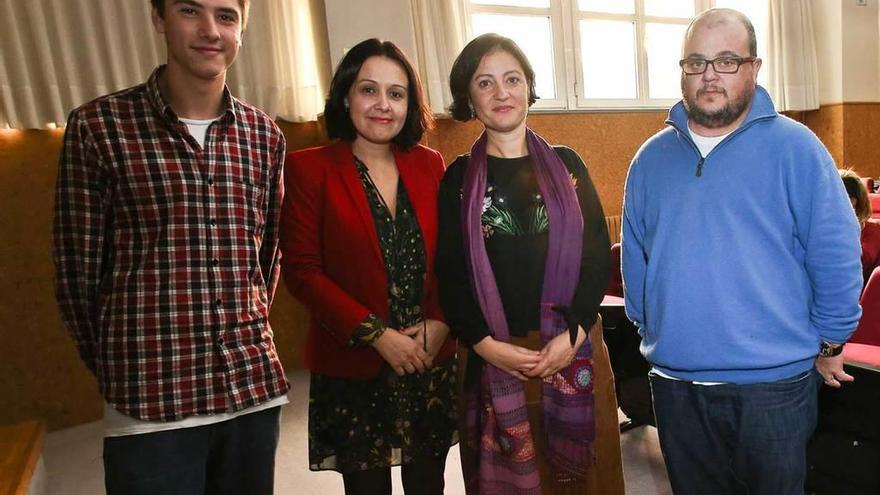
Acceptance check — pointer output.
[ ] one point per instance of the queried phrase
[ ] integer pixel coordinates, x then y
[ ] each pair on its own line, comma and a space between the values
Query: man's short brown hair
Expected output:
245, 5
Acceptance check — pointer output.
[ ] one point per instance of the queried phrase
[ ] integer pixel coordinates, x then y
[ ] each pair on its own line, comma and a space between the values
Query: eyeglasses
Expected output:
721, 65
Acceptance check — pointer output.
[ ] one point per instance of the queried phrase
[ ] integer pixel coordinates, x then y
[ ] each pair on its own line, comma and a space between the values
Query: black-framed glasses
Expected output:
721, 65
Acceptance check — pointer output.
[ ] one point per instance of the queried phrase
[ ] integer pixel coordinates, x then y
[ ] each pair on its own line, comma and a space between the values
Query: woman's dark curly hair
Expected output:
418, 116
466, 64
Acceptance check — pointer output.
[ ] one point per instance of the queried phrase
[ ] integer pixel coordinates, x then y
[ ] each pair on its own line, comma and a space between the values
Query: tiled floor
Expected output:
73, 458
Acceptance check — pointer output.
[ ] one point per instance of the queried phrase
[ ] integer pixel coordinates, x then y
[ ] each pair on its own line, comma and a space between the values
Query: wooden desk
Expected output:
862, 356
612, 302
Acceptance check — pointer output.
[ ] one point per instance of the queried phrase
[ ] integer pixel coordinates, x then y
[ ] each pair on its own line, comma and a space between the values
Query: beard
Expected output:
722, 117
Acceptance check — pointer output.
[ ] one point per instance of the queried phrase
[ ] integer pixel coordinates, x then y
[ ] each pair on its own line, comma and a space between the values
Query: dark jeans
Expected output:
233, 457
419, 477
736, 439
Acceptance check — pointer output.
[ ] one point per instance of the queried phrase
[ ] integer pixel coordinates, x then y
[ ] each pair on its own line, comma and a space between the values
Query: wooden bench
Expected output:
20, 448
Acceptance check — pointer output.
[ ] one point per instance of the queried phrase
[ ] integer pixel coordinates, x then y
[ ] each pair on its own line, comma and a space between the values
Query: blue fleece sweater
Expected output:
737, 265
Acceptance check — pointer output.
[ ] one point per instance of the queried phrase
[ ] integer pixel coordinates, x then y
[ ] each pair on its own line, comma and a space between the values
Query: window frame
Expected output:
565, 17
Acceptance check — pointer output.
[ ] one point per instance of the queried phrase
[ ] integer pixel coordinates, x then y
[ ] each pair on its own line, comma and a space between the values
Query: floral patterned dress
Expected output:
389, 420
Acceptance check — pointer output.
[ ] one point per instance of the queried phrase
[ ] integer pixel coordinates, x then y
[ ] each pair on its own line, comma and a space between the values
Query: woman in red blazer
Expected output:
359, 228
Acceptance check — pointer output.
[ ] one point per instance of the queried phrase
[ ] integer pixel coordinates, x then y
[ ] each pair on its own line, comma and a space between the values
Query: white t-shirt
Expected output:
198, 128
117, 424
706, 144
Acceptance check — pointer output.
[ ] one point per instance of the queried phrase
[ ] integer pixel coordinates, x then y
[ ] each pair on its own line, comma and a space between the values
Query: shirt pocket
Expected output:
248, 205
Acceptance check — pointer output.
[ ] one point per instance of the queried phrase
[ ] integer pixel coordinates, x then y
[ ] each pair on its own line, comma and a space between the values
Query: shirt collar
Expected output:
162, 107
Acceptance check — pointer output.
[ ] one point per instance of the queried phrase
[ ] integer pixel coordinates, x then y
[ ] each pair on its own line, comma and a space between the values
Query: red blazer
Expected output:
331, 259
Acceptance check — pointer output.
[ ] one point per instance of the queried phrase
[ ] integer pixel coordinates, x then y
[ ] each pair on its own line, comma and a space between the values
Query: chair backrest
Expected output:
615, 285
875, 205
613, 224
869, 183
868, 331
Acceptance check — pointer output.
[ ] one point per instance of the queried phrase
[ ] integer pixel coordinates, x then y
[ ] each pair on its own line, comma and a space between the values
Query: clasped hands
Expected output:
525, 364
412, 349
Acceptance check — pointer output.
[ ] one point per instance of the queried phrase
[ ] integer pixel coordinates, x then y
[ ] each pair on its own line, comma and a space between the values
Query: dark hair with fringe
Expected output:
466, 64
418, 116
159, 6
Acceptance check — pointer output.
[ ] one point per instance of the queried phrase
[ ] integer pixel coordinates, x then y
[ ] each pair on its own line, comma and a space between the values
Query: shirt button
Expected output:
213, 222
210, 181
218, 302
215, 262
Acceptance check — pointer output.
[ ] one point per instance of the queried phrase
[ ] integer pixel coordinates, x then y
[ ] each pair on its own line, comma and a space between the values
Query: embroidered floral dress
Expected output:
390, 420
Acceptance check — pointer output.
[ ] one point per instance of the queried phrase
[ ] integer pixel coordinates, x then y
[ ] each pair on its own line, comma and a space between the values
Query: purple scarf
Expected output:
496, 420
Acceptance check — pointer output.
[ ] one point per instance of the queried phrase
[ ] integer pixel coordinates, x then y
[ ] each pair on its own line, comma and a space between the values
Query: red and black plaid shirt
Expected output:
166, 253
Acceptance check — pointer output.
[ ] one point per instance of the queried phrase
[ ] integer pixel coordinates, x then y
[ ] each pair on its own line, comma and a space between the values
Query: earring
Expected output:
471, 107
345, 104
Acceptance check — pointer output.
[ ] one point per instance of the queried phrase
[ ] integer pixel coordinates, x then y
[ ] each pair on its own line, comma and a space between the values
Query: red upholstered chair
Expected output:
869, 183
615, 285
875, 205
868, 331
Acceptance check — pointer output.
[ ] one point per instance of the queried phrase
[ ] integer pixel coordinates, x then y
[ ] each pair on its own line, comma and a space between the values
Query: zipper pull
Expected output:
700, 167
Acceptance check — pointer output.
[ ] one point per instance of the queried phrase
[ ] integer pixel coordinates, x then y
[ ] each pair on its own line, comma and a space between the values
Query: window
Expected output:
603, 53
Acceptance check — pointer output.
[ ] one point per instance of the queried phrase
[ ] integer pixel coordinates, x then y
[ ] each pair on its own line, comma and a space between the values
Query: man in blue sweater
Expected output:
741, 269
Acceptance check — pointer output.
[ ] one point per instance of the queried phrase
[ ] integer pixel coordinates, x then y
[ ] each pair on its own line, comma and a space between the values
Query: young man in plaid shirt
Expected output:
166, 255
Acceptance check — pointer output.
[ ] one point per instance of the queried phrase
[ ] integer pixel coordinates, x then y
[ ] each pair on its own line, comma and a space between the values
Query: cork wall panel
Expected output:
41, 376
862, 124
851, 132
827, 123
606, 142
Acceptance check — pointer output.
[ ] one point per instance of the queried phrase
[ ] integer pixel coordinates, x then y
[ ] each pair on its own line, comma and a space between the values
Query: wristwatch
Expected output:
827, 349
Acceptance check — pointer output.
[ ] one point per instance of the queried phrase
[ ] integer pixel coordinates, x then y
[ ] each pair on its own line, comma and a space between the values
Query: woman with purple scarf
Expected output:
523, 262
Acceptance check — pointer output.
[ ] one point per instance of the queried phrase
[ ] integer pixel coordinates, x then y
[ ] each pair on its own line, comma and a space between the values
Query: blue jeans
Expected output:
232, 457
736, 439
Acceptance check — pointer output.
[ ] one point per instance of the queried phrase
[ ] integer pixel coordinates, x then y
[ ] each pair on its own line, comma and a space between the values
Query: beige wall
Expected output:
352, 21
861, 51
829, 46
848, 49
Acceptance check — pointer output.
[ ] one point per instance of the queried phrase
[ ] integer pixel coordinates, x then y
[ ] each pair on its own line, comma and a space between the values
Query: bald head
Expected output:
713, 18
